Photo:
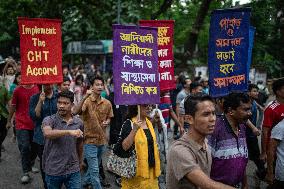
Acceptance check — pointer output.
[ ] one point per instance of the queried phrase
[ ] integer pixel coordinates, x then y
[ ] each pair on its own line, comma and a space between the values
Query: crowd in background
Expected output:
69, 125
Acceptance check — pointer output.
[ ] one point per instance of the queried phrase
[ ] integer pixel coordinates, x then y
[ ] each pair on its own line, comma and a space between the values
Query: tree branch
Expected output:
190, 44
163, 8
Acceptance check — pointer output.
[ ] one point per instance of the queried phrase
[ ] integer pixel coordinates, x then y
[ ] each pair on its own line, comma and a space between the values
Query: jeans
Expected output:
93, 155
71, 181
27, 149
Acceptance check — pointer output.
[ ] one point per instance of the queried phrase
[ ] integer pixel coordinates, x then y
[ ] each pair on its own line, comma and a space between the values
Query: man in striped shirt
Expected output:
228, 142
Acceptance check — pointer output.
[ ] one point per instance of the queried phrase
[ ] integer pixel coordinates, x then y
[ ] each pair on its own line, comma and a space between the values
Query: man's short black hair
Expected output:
96, 78
65, 78
190, 103
194, 85
234, 100
252, 86
183, 82
67, 94
277, 85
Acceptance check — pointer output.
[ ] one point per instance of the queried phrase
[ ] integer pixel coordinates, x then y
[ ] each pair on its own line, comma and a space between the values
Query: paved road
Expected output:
10, 171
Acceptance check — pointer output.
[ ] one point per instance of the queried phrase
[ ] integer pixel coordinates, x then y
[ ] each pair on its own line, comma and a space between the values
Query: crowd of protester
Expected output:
71, 125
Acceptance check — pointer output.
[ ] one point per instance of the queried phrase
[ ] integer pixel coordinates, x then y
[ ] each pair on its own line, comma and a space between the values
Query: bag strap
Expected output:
124, 124
119, 141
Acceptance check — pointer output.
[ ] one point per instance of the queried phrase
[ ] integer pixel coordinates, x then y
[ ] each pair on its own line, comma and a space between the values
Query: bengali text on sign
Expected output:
135, 65
165, 51
228, 51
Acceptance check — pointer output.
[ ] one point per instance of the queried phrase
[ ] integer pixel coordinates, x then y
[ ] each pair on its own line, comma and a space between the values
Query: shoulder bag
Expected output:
122, 166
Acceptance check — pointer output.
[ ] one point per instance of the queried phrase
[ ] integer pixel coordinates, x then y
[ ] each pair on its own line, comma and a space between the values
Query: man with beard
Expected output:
62, 155
228, 142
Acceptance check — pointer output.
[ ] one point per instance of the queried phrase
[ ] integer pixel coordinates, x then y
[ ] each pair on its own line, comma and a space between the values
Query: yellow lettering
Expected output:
30, 56
23, 29
29, 70
45, 54
35, 30
34, 40
41, 71
37, 56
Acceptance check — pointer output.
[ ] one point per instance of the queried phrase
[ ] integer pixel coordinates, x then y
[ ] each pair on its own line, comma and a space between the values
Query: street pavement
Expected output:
10, 170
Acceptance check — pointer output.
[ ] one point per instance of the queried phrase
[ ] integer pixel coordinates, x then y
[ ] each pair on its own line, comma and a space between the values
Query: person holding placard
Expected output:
142, 139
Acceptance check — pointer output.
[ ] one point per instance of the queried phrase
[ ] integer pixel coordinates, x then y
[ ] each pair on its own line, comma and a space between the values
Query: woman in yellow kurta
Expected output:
142, 135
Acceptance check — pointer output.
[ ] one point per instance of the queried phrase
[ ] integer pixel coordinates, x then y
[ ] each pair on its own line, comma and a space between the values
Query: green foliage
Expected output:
267, 44
93, 19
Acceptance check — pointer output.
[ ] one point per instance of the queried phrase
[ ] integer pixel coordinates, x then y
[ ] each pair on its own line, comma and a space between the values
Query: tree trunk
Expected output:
190, 44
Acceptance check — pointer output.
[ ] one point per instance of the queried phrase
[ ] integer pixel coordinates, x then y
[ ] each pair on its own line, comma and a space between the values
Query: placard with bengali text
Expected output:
165, 51
135, 65
228, 51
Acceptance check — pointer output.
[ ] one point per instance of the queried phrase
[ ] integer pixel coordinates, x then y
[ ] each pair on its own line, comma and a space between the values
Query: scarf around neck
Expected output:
141, 148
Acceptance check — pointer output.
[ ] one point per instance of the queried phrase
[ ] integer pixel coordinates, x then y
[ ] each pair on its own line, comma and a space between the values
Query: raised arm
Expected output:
78, 109
9, 62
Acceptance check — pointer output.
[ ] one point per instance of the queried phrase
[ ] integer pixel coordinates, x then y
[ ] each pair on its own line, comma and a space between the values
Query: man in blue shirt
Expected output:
42, 105
251, 135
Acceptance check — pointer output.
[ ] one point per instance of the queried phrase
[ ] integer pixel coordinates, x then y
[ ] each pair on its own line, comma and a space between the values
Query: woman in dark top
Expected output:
139, 134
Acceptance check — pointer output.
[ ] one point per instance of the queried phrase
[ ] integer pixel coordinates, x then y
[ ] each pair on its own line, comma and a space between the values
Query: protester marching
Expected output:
141, 124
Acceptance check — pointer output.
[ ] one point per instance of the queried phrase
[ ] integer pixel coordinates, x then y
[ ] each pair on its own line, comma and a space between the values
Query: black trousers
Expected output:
276, 185
39, 152
3, 130
254, 153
